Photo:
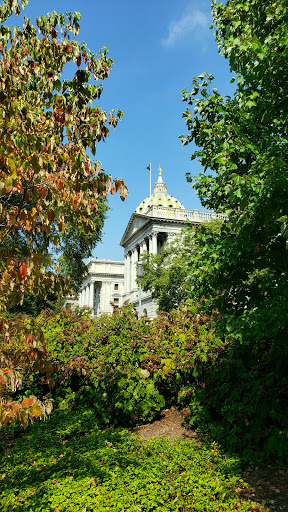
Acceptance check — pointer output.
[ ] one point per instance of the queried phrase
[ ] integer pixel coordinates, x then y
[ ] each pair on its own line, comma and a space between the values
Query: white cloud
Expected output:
192, 20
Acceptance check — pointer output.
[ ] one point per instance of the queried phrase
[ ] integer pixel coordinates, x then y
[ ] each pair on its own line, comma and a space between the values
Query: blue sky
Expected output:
157, 47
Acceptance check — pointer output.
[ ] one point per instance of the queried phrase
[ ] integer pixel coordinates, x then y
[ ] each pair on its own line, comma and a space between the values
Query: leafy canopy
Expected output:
75, 246
242, 145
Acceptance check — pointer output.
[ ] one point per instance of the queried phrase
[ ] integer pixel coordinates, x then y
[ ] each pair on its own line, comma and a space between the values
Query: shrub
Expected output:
127, 368
244, 401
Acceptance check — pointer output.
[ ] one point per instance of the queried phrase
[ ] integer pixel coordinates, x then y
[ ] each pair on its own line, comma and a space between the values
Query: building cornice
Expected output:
108, 274
169, 215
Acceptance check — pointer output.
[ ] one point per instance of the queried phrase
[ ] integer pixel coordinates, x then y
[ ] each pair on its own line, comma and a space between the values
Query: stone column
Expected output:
91, 296
127, 289
170, 237
154, 242
126, 273
149, 244
135, 266
104, 297
130, 271
97, 298
86, 295
133, 270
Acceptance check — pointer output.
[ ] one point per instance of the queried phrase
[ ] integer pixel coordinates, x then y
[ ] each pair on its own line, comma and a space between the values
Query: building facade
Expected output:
158, 219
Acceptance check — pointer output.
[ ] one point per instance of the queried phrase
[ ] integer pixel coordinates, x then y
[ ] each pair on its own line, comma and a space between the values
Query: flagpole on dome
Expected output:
149, 169
150, 184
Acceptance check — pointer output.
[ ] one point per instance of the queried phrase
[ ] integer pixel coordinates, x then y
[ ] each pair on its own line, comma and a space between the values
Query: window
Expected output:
116, 286
115, 300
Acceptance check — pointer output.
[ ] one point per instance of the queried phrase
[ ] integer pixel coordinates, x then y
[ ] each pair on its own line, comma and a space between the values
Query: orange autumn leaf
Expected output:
60, 185
23, 270
27, 402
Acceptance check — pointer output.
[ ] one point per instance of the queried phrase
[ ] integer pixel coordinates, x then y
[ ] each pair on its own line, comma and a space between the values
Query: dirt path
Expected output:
170, 425
268, 486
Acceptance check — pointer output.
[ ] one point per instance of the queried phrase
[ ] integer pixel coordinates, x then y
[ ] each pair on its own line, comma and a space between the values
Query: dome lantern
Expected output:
160, 197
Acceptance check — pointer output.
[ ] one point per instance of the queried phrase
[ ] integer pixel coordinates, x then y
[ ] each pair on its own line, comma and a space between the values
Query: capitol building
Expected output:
157, 219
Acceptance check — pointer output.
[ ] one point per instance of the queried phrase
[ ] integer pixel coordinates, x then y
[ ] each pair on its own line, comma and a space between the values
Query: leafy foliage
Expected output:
166, 274
242, 271
32, 305
76, 246
243, 403
128, 368
243, 140
22, 353
49, 185
77, 466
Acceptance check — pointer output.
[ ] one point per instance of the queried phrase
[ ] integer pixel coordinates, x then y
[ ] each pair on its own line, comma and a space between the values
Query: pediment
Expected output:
135, 224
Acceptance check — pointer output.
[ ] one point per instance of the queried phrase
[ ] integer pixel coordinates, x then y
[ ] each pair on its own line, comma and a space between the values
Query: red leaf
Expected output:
118, 185
23, 270
16, 408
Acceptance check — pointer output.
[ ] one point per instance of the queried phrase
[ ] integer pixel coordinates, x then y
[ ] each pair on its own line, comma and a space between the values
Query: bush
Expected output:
127, 368
244, 401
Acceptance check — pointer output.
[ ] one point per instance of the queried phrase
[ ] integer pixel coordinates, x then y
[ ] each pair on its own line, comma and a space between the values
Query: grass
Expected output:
69, 464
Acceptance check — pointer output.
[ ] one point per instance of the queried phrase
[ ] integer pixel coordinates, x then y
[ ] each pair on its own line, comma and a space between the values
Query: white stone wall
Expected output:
103, 284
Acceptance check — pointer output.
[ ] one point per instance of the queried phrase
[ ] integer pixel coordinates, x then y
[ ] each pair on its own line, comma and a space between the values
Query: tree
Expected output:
49, 184
242, 145
243, 140
166, 274
76, 245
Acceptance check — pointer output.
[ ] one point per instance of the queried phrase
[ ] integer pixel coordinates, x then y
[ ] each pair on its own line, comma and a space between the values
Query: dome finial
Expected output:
160, 170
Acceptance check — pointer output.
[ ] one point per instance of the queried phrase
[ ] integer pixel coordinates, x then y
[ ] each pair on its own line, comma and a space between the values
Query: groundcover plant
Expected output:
69, 464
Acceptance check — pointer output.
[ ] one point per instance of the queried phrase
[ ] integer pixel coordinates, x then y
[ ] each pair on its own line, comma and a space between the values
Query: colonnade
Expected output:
96, 295
87, 295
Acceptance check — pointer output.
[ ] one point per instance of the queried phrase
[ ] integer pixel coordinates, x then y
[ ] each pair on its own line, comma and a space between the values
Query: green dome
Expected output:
159, 198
